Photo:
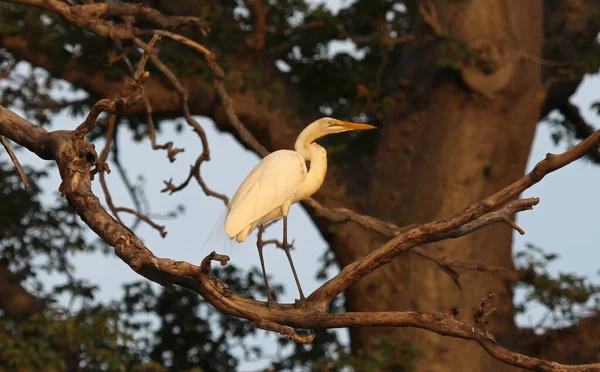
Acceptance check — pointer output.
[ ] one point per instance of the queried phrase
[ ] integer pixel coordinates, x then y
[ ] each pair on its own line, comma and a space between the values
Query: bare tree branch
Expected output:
75, 158
205, 154
93, 16
456, 225
114, 106
15, 161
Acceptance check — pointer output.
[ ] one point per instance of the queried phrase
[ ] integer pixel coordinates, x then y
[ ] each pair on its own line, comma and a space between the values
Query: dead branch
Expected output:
142, 12
218, 75
15, 160
171, 150
93, 16
79, 16
75, 158
205, 154
120, 104
115, 210
138, 78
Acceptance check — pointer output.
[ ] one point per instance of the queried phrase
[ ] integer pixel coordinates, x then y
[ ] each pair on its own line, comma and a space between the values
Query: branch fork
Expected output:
75, 161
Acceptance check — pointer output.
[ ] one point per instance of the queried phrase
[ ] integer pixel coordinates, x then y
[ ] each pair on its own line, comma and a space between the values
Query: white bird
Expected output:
280, 180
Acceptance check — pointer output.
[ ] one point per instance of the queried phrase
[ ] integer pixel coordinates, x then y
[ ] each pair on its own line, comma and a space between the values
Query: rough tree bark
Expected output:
452, 146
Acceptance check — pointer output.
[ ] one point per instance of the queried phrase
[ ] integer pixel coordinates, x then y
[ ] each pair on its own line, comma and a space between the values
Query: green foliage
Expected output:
382, 354
57, 341
565, 297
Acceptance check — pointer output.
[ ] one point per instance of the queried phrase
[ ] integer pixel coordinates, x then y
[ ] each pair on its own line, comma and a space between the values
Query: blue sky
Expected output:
563, 222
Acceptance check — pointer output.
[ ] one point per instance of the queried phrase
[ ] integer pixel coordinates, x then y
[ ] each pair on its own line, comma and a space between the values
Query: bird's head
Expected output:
324, 127
330, 125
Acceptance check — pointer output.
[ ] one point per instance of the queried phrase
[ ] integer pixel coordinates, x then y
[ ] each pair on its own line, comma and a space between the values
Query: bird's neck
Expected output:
317, 156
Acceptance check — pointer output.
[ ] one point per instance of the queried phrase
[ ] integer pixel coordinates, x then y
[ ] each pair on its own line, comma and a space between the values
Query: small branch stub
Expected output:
213, 256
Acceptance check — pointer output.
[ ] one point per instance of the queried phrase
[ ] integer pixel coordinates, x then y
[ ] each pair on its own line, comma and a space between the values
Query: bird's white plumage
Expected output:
280, 180
269, 189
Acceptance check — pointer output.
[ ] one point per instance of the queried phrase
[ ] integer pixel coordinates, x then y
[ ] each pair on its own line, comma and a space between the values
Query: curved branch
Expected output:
75, 159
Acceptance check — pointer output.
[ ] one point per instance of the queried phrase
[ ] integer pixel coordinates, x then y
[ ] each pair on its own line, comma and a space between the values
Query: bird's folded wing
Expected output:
271, 183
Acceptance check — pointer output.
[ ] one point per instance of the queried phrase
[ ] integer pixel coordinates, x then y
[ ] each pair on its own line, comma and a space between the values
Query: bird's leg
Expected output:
262, 264
286, 248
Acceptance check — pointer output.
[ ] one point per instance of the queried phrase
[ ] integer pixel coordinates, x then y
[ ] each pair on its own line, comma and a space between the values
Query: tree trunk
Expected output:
450, 147
444, 145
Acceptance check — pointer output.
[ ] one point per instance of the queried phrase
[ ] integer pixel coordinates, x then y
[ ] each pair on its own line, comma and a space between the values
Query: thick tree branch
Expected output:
75, 158
171, 150
94, 16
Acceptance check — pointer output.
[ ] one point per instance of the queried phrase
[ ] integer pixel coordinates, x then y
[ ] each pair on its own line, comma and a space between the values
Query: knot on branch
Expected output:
490, 69
78, 157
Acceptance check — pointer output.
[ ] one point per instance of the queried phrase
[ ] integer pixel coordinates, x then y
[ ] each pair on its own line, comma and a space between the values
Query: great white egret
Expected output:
280, 180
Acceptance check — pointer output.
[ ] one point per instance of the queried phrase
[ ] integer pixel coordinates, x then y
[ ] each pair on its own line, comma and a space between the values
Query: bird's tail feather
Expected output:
218, 240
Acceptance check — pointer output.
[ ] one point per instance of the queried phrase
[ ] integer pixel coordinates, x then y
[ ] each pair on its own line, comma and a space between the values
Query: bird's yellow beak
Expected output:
355, 126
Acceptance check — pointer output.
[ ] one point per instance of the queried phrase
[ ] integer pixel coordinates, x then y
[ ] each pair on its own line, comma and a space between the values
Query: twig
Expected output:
131, 189
218, 75
102, 158
482, 313
145, 218
137, 74
114, 106
275, 242
205, 154
15, 161
171, 150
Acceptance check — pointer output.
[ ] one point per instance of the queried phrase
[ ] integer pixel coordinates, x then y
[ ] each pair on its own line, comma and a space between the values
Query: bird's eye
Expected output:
330, 122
